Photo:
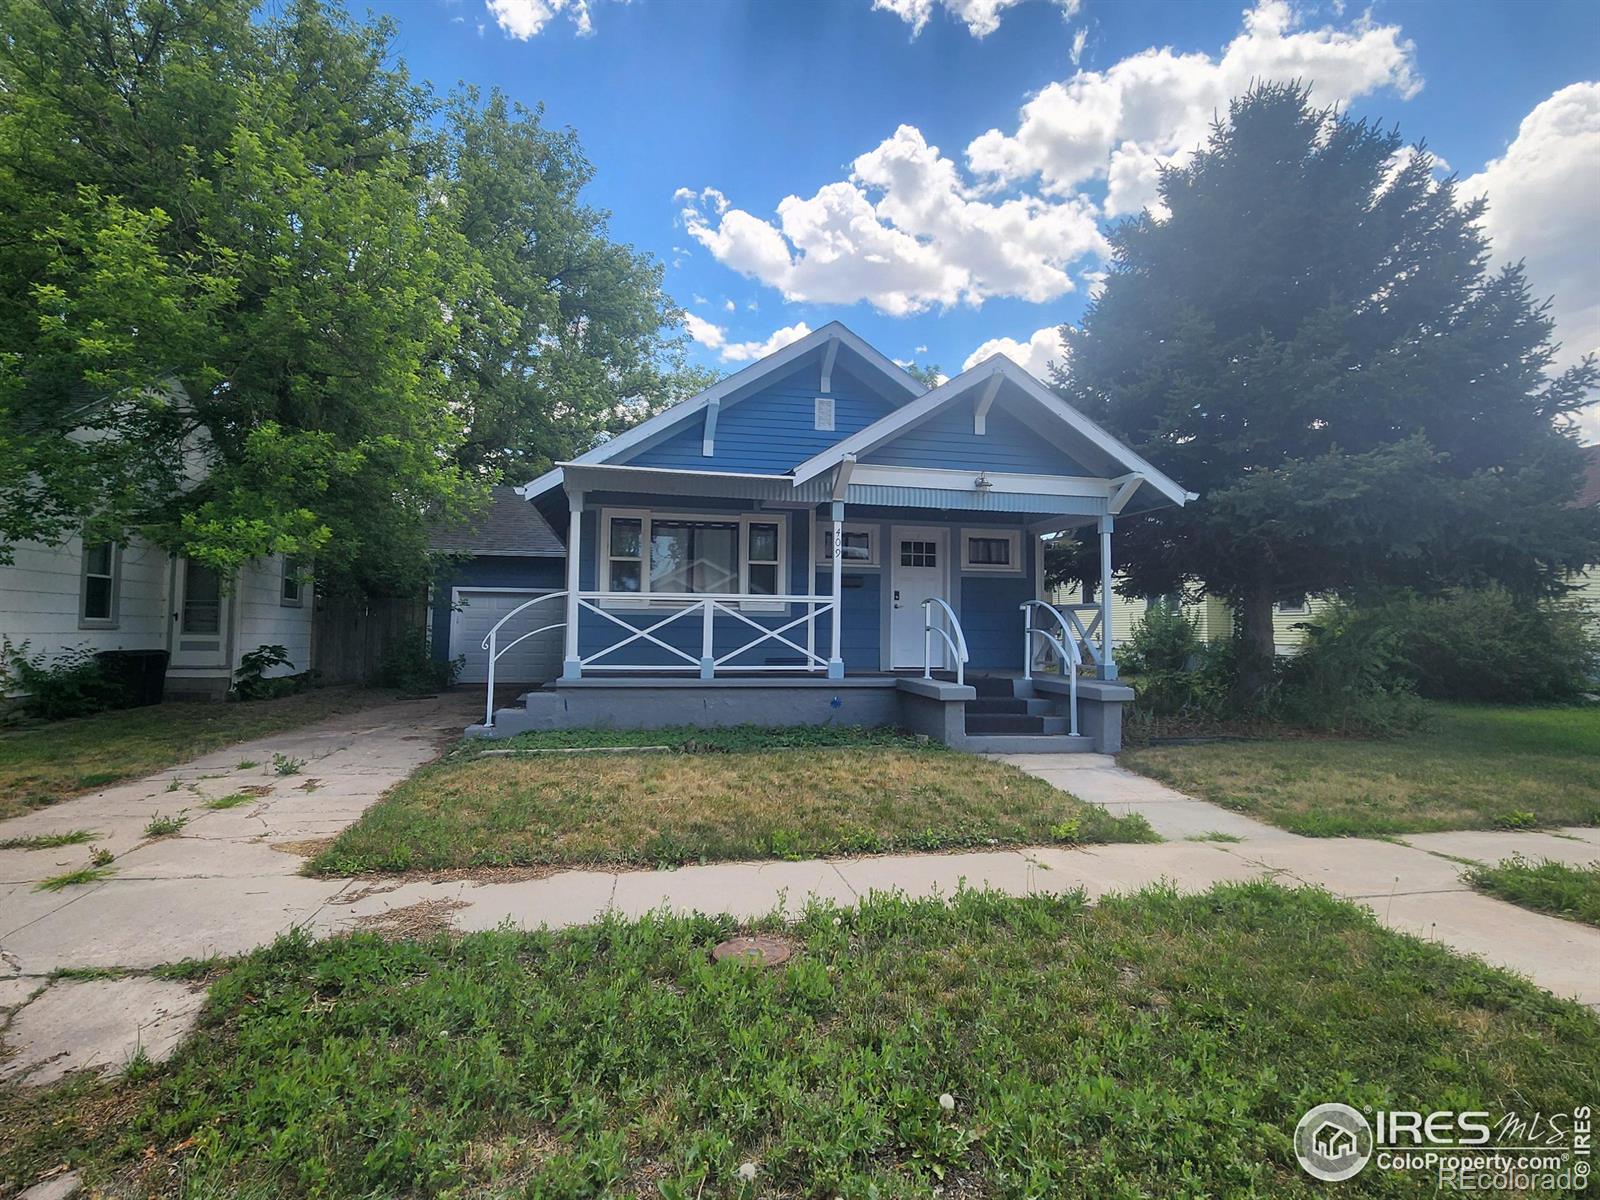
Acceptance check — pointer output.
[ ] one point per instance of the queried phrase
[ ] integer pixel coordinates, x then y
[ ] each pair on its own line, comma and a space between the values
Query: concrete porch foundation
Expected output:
935, 708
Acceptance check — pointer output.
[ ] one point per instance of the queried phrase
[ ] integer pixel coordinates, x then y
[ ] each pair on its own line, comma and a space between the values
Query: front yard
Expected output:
713, 795
1469, 767
46, 763
1154, 1045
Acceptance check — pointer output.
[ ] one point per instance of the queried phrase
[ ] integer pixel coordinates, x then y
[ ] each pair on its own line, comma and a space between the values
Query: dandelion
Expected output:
947, 1102
747, 1172
838, 921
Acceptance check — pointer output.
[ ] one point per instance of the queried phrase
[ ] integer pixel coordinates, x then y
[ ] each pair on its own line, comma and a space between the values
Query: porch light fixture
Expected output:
983, 483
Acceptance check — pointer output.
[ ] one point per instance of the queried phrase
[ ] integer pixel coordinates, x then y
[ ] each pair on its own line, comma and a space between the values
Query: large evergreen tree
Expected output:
1310, 337
262, 293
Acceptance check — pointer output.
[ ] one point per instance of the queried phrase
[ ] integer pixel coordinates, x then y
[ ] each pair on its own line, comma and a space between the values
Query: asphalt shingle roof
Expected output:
510, 526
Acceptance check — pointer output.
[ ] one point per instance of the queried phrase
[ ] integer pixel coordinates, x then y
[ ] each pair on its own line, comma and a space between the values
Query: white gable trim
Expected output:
926, 405
734, 388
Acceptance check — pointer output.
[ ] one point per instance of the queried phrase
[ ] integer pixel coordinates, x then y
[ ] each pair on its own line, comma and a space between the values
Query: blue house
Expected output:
820, 537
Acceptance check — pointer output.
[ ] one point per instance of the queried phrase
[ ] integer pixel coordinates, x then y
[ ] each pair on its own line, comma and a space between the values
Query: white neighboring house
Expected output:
109, 596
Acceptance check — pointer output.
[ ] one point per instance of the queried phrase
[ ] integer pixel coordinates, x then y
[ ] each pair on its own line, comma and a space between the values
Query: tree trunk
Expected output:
1257, 646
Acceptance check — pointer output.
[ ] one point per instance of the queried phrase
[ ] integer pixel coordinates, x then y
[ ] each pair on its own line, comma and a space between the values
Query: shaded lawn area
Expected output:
717, 795
47, 763
1156, 1045
1469, 767
1551, 887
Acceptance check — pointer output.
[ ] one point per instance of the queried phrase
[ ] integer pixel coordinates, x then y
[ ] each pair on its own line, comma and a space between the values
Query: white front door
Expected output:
918, 569
201, 612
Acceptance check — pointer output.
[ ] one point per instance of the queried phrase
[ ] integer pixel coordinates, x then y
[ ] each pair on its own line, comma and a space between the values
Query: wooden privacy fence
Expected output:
350, 634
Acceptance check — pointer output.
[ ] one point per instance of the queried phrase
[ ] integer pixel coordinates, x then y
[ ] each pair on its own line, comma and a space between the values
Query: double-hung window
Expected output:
97, 608
667, 558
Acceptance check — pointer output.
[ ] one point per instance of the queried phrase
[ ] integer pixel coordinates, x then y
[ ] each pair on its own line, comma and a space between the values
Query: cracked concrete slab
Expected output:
89, 1024
1489, 846
742, 890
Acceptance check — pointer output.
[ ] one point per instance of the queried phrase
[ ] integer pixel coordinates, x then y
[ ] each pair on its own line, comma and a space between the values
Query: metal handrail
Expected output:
957, 644
1066, 647
491, 644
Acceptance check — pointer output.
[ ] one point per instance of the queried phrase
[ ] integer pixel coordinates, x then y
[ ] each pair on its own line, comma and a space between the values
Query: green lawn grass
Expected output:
1547, 886
47, 763
737, 794
1469, 767
1157, 1045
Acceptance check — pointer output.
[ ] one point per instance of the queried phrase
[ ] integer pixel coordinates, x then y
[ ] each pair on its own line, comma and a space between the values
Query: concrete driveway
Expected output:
228, 882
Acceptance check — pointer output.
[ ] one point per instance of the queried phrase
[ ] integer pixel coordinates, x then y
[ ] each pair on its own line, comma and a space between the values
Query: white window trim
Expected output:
872, 560
285, 575
1014, 536
114, 619
645, 516
1285, 609
824, 415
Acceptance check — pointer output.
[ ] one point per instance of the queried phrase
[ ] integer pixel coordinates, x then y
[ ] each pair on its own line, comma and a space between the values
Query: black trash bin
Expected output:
142, 674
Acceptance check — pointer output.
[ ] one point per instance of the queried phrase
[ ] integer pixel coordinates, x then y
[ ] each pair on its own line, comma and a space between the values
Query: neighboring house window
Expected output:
1295, 606
98, 599
684, 554
823, 413
293, 590
860, 545
985, 551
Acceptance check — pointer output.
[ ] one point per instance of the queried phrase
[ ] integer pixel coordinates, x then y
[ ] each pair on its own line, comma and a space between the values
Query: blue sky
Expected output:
938, 173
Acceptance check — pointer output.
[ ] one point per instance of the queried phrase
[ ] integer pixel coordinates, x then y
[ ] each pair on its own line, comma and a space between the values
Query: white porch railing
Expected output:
953, 638
1065, 646
707, 606
491, 643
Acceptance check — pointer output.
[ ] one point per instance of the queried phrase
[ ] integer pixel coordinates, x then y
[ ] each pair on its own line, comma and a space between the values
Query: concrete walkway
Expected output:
229, 882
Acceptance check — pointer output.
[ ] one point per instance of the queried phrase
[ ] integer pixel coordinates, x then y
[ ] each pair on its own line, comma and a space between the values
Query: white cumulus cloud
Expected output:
911, 228
524, 19
1156, 105
1544, 207
904, 232
981, 17
715, 337
1034, 355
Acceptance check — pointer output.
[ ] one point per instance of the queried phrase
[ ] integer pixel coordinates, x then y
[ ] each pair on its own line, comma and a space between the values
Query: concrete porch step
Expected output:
1029, 743
1031, 706
983, 723
992, 686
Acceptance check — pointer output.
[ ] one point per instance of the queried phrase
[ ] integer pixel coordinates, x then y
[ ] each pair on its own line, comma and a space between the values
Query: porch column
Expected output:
1108, 666
571, 668
836, 661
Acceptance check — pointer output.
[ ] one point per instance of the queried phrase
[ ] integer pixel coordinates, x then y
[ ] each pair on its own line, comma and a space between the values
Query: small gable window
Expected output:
98, 595
1294, 606
988, 551
823, 413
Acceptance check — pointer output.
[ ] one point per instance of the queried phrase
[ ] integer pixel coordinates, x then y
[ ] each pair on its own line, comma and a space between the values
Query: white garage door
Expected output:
537, 660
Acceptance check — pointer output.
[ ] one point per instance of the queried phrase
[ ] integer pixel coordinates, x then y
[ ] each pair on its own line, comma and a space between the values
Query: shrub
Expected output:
250, 681
1348, 678
1163, 639
74, 685
407, 664
1484, 644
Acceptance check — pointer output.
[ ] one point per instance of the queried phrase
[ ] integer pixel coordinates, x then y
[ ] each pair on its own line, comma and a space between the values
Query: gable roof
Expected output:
738, 385
1055, 415
511, 527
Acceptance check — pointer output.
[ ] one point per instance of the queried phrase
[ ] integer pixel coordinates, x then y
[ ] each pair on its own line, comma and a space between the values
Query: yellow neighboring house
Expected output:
1213, 619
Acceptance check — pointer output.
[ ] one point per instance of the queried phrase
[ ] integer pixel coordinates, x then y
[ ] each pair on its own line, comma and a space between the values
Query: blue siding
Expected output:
991, 617
488, 572
947, 441
771, 431
987, 603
